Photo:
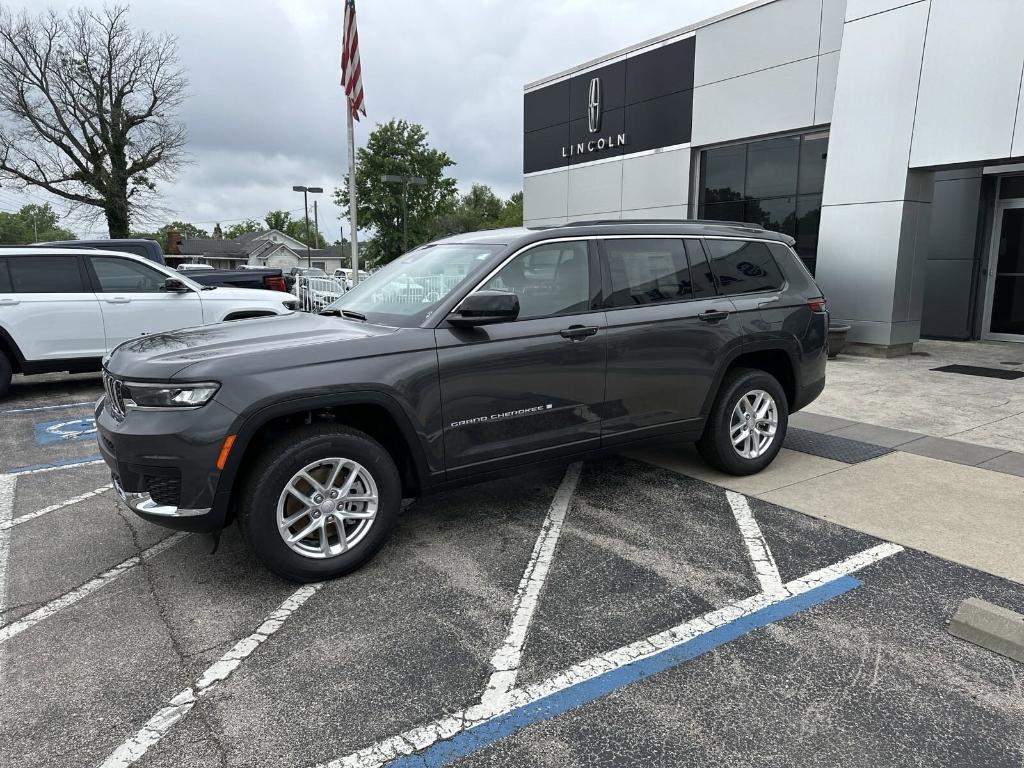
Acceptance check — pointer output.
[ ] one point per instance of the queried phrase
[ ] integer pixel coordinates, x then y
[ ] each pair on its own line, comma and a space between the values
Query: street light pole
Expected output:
316, 226
405, 181
305, 204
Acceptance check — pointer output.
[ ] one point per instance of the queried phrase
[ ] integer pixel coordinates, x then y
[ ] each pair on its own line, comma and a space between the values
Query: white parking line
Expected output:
10, 523
33, 409
179, 706
70, 598
506, 659
7, 486
422, 737
35, 470
760, 554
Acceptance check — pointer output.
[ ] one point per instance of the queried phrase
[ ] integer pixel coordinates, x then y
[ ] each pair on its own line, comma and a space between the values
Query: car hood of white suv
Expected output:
260, 295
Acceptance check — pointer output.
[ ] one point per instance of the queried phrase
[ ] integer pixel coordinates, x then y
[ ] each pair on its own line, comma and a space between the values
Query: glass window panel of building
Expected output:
776, 183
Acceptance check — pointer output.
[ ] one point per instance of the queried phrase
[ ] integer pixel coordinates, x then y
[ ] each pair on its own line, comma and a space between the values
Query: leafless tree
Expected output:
88, 109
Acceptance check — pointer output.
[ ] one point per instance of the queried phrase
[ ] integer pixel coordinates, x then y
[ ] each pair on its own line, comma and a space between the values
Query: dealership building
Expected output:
885, 136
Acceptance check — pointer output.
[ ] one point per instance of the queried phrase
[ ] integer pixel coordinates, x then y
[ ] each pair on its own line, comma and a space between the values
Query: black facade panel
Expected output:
542, 149
611, 127
656, 88
546, 106
659, 122
661, 71
613, 89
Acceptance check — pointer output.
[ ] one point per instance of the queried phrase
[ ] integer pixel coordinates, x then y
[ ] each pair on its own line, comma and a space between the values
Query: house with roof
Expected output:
267, 248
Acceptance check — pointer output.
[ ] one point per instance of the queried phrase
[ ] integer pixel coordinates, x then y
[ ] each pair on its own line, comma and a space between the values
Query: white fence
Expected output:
316, 293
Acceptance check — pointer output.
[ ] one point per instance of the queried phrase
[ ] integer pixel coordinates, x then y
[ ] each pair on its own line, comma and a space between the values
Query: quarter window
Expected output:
647, 271
743, 266
124, 276
5, 278
549, 280
45, 274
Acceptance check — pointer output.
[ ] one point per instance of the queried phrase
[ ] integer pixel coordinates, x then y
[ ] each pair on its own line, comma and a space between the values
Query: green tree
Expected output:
31, 224
512, 211
480, 209
398, 147
279, 220
241, 227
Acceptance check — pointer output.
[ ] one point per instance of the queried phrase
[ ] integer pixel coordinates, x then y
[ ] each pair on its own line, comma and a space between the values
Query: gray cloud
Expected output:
265, 110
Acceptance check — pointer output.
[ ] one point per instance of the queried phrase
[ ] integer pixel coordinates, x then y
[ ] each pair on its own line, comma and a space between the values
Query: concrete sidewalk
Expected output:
906, 393
967, 514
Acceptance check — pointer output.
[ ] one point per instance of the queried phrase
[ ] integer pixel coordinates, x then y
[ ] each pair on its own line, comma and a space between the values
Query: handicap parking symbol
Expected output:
48, 432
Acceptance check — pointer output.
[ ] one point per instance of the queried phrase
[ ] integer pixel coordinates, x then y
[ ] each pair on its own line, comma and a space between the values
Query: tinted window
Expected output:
45, 274
647, 271
744, 267
772, 167
5, 279
549, 280
123, 276
700, 271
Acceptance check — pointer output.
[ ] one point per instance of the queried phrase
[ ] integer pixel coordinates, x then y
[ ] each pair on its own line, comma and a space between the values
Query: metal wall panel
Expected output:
778, 99
825, 94
873, 114
833, 14
947, 299
652, 181
970, 82
595, 189
857, 9
664, 212
545, 195
773, 34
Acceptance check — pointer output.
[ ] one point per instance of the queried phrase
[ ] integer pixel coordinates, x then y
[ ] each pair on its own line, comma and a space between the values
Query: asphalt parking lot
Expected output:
610, 614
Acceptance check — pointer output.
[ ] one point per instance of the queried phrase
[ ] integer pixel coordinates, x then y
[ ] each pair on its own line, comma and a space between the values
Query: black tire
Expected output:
278, 464
715, 445
5, 374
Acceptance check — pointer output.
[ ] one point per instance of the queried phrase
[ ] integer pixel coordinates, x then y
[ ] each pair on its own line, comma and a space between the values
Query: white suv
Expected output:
62, 309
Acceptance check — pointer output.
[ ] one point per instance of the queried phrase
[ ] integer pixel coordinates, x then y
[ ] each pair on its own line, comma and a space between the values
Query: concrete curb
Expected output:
990, 626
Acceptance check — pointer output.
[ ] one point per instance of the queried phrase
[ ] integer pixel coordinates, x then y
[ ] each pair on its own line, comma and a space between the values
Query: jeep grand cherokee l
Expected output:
519, 347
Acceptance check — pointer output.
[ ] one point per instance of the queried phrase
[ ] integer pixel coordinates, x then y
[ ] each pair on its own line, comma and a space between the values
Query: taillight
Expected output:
273, 283
817, 304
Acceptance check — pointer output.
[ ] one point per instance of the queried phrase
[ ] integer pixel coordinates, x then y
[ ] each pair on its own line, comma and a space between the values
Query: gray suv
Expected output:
469, 357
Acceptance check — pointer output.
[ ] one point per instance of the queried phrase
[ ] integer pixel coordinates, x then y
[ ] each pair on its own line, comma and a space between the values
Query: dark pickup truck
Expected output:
266, 278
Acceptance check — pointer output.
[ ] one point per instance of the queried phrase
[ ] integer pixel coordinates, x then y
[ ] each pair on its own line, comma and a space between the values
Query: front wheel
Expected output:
747, 425
5, 374
319, 502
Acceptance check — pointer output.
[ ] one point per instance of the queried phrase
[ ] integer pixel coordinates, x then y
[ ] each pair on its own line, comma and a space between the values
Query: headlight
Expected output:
292, 305
168, 395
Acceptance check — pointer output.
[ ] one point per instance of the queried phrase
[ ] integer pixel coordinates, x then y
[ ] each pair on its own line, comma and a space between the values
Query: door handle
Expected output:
578, 332
9, 302
713, 315
118, 300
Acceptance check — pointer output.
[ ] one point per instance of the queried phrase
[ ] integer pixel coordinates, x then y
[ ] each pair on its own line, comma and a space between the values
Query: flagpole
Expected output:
354, 241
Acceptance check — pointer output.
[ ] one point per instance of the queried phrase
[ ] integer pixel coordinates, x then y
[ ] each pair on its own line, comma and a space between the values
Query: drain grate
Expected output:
832, 446
977, 370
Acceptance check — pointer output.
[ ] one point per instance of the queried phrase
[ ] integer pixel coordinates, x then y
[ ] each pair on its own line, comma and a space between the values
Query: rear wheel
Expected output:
747, 425
319, 502
5, 374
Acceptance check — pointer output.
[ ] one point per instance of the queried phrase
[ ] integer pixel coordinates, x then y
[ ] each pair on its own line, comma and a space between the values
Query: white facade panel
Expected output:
663, 212
595, 189
873, 114
773, 34
778, 99
833, 14
554, 221
970, 82
858, 9
653, 181
545, 195
1017, 148
825, 93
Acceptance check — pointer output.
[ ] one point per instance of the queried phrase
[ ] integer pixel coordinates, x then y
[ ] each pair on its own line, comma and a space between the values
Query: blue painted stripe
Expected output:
467, 742
53, 465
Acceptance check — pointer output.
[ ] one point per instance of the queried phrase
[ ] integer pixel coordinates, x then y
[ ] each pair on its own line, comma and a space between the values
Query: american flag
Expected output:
351, 72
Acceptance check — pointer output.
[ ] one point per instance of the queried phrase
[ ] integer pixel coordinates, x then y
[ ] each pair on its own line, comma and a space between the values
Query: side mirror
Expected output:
485, 308
174, 285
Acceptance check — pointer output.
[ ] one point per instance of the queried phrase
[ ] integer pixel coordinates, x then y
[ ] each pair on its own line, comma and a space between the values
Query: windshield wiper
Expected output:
344, 313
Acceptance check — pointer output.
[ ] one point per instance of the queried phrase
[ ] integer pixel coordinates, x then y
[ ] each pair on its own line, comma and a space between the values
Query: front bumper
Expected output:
163, 463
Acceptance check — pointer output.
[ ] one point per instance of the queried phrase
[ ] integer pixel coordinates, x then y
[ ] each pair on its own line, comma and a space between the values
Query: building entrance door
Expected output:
1004, 296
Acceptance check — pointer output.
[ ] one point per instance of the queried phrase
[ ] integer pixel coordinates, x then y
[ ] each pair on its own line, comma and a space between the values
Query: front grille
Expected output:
165, 491
114, 389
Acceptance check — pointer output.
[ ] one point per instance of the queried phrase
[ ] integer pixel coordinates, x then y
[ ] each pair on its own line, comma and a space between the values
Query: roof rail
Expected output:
701, 222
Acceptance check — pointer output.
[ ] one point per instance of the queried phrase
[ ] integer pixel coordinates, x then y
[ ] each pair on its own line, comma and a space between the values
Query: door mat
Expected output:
832, 446
976, 370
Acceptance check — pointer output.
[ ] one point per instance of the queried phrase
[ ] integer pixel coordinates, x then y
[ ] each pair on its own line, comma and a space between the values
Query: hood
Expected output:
260, 295
266, 342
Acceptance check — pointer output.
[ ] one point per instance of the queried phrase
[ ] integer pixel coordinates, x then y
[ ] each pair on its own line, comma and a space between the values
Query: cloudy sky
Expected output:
265, 110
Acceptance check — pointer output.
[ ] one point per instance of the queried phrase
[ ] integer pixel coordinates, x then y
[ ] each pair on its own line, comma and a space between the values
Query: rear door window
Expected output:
45, 274
744, 266
647, 271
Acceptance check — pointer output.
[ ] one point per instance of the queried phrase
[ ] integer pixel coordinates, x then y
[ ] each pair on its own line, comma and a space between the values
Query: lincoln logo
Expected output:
594, 106
594, 126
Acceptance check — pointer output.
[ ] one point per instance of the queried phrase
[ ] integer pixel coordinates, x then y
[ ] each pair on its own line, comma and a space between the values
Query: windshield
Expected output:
405, 292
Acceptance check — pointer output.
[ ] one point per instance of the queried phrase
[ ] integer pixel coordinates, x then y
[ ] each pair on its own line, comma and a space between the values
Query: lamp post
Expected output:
306, 191
405, 181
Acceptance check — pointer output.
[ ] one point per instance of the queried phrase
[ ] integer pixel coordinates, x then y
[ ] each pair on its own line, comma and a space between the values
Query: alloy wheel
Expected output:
753, 424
